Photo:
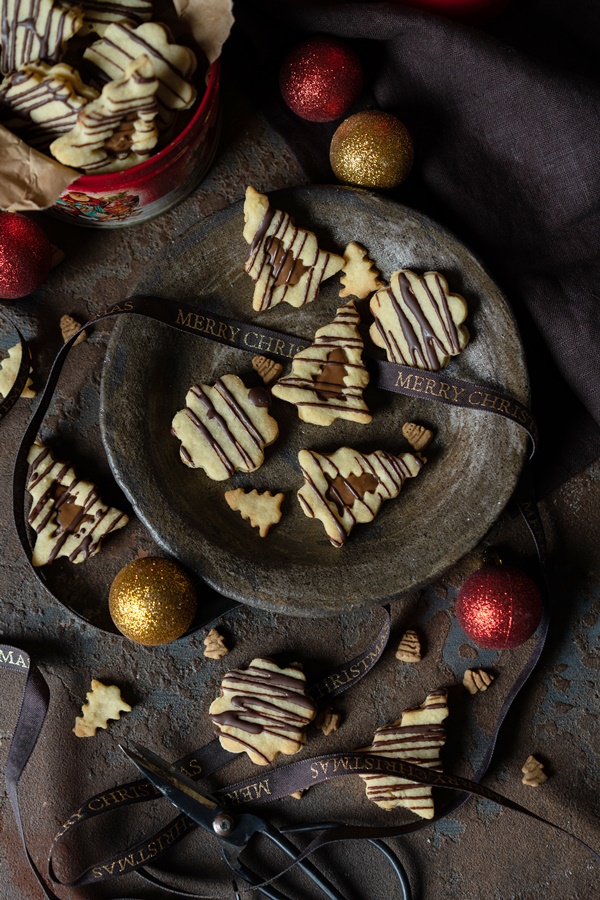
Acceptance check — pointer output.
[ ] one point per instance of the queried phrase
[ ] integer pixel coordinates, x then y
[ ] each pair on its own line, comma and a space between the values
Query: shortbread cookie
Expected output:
328, 378
360, 276
117, 130
263, 510
285, 262
348, 487
409, 648
263, 710
99, 14
104, 702
36, 30
418, 322
224, 427
46, 99
173, 64
417, 738
9, 369
66, 513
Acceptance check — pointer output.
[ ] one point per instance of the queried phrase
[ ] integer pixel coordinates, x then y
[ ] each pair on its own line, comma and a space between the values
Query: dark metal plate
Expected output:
473, 465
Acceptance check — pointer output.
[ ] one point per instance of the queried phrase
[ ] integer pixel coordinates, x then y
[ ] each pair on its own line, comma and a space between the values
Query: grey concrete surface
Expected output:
481, 852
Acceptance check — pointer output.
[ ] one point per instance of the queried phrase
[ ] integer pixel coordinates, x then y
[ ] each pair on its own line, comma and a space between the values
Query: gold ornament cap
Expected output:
372, 149
152, 601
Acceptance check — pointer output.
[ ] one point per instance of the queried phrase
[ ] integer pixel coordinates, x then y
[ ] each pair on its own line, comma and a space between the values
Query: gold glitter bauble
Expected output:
372, 149
152, 601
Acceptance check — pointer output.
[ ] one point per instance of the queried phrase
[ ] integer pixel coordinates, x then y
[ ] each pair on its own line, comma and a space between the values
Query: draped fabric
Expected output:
505, 120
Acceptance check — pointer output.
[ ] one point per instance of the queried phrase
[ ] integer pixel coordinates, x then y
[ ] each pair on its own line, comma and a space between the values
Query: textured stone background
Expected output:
481, 852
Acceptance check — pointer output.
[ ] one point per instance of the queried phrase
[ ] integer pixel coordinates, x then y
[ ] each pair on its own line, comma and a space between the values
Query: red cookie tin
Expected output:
154, 186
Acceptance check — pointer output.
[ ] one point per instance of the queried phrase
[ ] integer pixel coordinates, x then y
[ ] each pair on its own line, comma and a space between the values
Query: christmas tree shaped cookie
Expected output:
417, 737
418, 322
66, 513
285, 262
328, 378
348, 487
118, 128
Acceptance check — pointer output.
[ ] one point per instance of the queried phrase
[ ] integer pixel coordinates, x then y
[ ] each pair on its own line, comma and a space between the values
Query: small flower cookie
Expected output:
222, 429
347, 487
417, 737
263, 710
328, 378
66, 513
172, 64
284, 262
418, 322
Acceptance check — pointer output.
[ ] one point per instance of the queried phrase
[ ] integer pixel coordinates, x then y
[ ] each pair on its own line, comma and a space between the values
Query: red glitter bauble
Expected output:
321, 79
25, 256
499, 607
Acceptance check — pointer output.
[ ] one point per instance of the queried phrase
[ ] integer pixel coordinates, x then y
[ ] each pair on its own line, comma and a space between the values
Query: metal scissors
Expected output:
235, 830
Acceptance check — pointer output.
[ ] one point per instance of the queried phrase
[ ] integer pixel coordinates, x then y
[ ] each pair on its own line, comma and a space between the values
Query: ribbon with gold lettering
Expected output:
200, 763
32, 714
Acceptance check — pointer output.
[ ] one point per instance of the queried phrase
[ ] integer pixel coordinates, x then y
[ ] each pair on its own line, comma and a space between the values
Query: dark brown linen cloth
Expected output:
506, 129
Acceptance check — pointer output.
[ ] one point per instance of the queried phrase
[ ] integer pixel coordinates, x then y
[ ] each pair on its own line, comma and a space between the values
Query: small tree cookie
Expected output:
418, 737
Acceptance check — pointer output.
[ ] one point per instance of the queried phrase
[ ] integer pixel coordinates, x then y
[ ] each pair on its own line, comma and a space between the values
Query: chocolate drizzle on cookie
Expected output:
328, 378
267, 705
224, 427
284, 261
417, 738
417, 320
34, 30
67, 513
348, 487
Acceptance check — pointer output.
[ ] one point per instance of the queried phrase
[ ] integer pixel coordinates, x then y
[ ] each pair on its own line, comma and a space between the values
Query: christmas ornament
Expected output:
152, 601
321, 79
372, 149
499, 607
25, 256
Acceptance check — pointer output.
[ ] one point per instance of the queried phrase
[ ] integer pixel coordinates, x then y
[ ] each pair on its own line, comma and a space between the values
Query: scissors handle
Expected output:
305, 865
253, 879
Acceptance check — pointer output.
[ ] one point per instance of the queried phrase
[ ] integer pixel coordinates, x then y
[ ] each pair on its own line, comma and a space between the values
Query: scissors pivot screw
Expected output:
223, 824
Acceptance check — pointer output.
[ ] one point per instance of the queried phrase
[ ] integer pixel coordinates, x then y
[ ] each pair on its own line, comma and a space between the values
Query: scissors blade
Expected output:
176, 787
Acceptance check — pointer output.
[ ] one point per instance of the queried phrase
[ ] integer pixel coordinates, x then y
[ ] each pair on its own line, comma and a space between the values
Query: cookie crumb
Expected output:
477, 680
328, 720
68, 327
215, 645
533, 772
409, 648
267, 369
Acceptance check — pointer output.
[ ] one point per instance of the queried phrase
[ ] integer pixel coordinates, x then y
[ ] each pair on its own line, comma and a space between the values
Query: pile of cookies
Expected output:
225, 427
136, 80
